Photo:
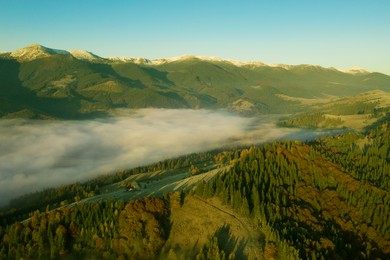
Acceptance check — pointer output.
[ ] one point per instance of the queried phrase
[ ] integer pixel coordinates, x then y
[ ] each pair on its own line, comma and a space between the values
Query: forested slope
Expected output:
328, 198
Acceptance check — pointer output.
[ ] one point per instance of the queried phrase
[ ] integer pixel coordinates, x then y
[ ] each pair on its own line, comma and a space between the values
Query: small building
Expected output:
132, 186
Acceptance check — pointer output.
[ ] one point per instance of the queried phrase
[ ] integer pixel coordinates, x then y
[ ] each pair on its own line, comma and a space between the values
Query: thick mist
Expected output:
39, 154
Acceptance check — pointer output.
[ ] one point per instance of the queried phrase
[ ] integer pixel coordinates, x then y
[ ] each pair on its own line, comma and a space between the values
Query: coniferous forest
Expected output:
323, 199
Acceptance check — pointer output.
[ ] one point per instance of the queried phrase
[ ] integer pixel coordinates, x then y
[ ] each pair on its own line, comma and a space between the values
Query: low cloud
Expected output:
40, 154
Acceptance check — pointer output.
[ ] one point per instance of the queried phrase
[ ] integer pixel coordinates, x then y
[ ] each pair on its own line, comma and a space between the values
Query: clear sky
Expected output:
335, 33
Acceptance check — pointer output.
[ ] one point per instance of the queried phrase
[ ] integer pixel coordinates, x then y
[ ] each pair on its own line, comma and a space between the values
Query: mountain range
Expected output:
41, 82
326, 198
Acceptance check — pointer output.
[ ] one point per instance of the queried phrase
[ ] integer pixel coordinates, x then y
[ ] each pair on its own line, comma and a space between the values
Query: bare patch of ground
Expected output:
198, 220
242, 105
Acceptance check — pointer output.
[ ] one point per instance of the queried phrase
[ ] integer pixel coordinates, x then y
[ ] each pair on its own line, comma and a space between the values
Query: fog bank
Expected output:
39, 154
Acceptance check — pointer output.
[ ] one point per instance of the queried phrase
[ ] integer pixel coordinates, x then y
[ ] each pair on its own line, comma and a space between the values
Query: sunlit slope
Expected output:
356, 111
55, 83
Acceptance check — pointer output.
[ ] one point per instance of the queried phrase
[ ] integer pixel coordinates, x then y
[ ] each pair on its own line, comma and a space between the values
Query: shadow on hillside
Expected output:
159, 77
107, 71
229, 243
350, 245
175, 97
15, 97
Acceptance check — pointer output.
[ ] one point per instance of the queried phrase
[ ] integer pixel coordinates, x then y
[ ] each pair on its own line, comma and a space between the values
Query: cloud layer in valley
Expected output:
39, 154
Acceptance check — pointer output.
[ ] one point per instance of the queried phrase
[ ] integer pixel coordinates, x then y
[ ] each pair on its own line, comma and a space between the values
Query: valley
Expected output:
190, 158
253, 202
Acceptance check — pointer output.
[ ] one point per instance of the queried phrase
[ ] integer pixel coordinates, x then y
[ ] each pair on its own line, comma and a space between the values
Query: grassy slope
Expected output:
62, 86
355, 112
209, 218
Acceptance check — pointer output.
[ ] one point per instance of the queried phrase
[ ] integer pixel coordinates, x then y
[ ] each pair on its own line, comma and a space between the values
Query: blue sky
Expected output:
334, 33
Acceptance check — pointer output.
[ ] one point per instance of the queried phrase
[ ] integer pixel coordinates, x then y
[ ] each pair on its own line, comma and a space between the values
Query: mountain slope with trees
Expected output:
327, 198
39, 82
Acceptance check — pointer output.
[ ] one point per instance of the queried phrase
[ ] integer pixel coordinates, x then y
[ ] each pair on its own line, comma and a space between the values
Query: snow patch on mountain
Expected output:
35, 51
84, 55
355, 70
247, 63
180, 59
128, 59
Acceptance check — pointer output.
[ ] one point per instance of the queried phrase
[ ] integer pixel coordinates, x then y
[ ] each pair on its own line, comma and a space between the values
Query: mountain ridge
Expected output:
39, 82
87, 55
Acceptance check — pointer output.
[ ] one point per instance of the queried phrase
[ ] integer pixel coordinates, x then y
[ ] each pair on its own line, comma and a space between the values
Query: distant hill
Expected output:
357, 112
40, 82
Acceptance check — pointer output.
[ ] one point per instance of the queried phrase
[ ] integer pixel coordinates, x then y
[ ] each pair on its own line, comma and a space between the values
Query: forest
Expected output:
326, 198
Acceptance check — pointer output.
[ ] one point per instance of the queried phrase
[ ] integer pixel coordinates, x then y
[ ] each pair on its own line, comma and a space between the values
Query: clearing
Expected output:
198, 220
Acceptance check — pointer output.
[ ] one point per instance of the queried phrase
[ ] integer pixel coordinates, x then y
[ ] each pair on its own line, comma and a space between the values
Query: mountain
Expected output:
40, 82
37, 51
85, 55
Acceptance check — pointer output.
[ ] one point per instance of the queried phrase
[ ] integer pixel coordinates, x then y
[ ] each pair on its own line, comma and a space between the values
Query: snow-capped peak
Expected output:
205, 58
247, 63
182, 58
84, 55
128, 59
164, 60
355, 70
35, 51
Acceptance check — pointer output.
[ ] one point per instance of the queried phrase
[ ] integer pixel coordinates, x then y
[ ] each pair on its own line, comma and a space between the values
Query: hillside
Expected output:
355, 112
328, 198
40, 82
